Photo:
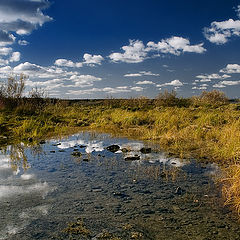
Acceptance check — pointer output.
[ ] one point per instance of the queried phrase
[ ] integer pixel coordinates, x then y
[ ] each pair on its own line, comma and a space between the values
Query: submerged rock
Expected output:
132, 158
76, 154
145, 150
124, 150
113, 148
179, 191
42, 142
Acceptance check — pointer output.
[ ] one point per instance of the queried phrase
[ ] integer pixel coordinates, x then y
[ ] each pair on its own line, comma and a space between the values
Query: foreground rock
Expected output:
113, 148
132, 158
145, 150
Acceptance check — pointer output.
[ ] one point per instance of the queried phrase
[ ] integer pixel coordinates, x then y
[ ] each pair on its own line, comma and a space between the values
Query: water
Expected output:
47, 193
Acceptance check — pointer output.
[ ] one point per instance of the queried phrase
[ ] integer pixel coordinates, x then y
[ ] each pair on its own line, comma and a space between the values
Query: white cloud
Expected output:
4, 51
176, 46
15, 57
36, 71
67, 63
22, 16
175, 83
109, 90
84, 80
210, 77
230, 83
223, 84
200, 88
231, 68
123, 89
219, 85
92, 59
137, 89
3, 62
145, 82
135, 52
141, 73
23, 42
89, 59
6, 38
133, 75
238, 10
220, 32
48, 85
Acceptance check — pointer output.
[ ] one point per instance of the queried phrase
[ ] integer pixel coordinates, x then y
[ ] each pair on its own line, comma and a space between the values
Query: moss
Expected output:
77, 228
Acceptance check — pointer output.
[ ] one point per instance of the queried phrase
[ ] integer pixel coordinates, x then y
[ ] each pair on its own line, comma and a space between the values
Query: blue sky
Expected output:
127, 48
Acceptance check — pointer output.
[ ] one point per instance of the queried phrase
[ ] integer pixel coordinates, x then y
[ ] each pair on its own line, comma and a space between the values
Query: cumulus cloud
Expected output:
23, 42
200, 88
67, 63
221, 32
238, 11
210, 77
141, 73
6, 38
15, 57
84, 80
145, 82
48, 85
107, 90
3, 62
175, 83
35, 71
231, 68
137, 89
137, 52
4, 51
22, 16
92, 59
223, 84
175, 45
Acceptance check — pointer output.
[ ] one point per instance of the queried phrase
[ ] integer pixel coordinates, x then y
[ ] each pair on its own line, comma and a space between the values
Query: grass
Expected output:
206, 127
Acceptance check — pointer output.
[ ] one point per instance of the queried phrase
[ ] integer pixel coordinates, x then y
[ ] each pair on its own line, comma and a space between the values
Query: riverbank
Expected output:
207, 132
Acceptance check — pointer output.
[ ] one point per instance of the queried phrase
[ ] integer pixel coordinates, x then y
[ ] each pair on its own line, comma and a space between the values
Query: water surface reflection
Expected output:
134, 191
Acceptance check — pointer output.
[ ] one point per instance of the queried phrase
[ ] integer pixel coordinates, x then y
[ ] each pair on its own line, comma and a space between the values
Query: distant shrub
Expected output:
11, 91
14, 87
212, 98
170, 99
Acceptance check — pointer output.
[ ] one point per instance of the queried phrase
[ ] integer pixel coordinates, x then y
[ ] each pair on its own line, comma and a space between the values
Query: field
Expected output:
206, 127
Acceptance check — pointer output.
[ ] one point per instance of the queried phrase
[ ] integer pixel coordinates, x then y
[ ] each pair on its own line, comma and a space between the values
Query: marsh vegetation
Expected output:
205, 127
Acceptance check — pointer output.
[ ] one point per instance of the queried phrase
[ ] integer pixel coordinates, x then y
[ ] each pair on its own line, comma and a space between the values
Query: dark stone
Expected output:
52, 151
120, 195
82, 146
125, 150
145, 150
30, 139
76, 154
113, 148
61, 150
148, 211
132, 158
179, 191
42, 142
85, 159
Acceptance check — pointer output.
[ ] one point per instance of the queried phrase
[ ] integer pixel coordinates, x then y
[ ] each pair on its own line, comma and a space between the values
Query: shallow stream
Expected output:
74, 188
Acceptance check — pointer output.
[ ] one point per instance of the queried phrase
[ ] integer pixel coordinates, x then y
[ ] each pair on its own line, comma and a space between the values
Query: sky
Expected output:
121, 48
